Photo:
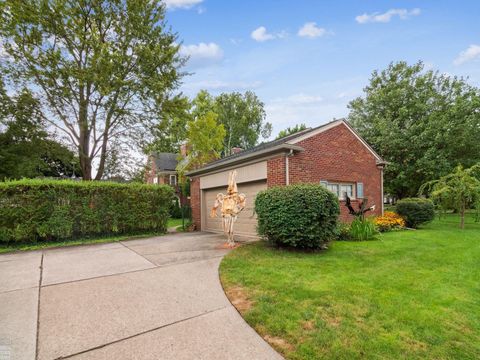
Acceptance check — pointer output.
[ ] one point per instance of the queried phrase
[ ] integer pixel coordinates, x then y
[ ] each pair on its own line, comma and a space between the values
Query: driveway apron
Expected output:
155, 298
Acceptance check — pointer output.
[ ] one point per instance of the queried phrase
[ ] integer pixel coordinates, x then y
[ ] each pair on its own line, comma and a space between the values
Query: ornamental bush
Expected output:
389, 221
301, 216
415, 211
362, 229
52, 210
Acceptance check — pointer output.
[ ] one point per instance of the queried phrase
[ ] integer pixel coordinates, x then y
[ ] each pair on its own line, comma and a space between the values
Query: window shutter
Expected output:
359, 190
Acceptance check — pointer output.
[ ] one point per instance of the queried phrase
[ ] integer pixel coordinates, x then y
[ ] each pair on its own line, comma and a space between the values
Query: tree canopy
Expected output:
26, 149
101, 70
243, 117
422, 122
205, 140
291, 130
456, 191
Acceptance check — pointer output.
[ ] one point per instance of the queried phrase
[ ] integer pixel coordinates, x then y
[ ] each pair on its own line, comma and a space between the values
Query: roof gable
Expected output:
287, 143
331, 125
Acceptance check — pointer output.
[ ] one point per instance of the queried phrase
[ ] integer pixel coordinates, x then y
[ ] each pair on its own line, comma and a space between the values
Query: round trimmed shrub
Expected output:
416, 211
301, 216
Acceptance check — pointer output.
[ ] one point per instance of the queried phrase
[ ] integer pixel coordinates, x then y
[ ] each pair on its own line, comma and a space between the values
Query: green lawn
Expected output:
5, 248
409, 294
175, 222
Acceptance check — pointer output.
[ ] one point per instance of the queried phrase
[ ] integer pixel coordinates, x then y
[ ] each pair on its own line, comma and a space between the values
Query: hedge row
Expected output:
50, 210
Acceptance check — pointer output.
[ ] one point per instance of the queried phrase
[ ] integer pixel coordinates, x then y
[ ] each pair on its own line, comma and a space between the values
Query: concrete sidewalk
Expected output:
155, 298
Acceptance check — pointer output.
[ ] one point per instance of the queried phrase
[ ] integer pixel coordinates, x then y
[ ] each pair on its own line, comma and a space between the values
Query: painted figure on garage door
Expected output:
230, 206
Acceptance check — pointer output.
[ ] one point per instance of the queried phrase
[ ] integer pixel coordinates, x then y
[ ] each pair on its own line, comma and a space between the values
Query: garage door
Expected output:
246, 222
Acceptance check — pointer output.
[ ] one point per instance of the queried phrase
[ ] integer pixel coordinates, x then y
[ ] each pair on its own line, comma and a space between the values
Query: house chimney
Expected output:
183, 150
236, 150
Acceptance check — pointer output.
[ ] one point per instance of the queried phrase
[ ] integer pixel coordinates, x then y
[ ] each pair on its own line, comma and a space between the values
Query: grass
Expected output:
175, 223
410, 294
6, 248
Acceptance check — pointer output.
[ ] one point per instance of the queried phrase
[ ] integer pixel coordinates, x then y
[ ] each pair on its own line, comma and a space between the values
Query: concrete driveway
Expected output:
155, 298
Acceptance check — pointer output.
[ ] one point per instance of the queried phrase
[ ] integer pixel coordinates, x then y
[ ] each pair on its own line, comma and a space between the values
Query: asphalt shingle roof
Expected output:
261, 146
165, 161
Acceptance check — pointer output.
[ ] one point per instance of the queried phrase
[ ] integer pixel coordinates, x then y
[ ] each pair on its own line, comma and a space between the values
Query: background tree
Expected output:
101, 69
205, 141
243, 117
171, 130
457, 190
422, 122
26, 149
291, 130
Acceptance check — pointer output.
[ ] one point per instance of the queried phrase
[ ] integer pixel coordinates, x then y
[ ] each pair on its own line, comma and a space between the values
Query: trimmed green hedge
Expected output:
415, 211
51, 210
303, 216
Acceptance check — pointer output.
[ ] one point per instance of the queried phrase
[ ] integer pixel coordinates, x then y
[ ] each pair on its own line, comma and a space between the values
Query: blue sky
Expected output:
307, 59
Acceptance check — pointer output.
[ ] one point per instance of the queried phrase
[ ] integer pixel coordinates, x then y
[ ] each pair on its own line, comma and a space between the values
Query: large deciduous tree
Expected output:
171, 130
242, 115
422, 122
26, 149
205, 141
102, 70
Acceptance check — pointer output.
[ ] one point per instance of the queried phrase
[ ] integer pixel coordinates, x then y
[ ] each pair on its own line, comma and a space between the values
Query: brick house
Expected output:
162, 169
333, 155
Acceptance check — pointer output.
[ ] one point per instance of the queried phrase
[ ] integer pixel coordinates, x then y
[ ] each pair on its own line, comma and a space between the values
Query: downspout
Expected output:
287, 176
381, 187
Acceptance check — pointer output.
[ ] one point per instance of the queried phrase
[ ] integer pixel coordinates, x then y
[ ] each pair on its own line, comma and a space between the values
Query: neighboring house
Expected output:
162, 169
333, 155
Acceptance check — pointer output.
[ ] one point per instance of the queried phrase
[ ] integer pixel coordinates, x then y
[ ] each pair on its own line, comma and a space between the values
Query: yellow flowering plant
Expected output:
389, 221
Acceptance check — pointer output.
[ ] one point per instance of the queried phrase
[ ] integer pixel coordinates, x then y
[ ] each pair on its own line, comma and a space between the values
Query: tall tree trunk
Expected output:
103, 156
84, 137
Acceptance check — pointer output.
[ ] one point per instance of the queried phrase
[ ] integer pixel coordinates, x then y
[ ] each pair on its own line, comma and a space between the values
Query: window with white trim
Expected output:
173, 180
340, 189
155, 180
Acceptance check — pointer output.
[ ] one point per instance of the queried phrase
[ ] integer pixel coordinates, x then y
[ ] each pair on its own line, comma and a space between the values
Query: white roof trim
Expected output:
332, 125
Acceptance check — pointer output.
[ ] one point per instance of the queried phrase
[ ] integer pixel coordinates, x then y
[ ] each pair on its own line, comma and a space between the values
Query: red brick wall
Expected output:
335, 155
195, 202
276, 171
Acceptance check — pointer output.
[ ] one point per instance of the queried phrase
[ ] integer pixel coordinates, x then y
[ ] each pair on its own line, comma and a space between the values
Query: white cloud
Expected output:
284, 114
387, 16
181, 4
301, 99
202, 51
222, 85
472, 53
261, 34
311, 30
